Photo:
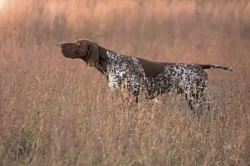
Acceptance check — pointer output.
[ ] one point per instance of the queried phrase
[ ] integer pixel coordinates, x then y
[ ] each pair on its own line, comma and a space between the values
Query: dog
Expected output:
143, 76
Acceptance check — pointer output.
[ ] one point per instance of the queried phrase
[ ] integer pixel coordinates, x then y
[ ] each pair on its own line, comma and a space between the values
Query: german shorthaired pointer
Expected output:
139, 75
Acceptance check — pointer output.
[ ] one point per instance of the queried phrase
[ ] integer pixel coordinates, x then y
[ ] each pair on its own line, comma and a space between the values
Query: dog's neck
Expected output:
103, 58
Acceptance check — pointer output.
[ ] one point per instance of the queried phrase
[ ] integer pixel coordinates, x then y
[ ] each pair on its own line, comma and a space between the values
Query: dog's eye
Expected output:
78, 43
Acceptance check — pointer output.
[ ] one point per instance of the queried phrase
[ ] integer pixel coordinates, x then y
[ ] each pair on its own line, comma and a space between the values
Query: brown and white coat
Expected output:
142, 76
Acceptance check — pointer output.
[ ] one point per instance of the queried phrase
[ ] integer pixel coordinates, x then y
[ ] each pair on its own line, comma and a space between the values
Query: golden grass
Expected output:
56, 111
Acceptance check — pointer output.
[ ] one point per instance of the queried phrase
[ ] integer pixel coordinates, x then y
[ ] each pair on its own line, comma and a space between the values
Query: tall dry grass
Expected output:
56, 111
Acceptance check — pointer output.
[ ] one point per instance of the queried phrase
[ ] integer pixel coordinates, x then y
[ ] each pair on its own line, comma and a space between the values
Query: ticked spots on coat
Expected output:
189, 79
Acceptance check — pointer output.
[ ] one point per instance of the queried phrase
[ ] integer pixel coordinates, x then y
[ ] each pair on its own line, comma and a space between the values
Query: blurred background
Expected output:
56, 111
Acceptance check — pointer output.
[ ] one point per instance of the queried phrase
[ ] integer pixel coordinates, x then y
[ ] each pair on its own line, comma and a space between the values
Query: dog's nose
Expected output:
61, 44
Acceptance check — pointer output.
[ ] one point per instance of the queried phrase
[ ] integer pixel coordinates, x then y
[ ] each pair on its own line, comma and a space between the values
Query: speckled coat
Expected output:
140, 76
126, 71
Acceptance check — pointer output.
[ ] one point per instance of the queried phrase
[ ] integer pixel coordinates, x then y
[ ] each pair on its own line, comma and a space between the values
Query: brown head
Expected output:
83, 49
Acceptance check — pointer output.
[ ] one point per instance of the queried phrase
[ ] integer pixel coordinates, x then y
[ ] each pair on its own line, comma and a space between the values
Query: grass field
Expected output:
55, 111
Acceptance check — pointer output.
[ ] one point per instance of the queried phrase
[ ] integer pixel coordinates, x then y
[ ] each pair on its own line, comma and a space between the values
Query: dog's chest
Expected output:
123, 70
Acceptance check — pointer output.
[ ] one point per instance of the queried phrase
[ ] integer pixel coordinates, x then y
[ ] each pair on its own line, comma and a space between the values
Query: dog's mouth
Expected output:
67, 53
71, 50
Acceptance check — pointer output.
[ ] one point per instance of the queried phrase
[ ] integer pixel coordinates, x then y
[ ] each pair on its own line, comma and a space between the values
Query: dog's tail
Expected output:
216, 67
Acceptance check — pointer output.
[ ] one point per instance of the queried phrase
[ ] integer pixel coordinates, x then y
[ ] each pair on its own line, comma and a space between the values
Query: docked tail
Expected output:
216, 67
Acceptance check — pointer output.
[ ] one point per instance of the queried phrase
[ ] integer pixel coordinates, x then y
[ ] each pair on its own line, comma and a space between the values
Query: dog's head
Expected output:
83, 49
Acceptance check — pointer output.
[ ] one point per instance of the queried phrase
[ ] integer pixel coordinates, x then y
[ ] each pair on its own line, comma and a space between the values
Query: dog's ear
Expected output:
93, 56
